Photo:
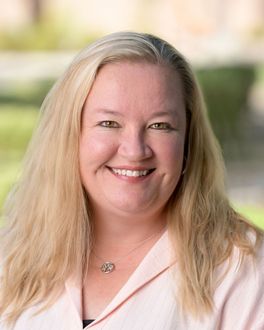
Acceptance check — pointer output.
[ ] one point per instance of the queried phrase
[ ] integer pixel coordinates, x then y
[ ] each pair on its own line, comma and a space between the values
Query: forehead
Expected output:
135, 85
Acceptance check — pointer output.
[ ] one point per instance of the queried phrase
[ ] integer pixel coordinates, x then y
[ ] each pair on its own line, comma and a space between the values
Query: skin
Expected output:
134, 120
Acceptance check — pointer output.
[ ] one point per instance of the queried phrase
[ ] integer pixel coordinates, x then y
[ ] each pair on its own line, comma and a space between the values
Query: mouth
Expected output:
130, 172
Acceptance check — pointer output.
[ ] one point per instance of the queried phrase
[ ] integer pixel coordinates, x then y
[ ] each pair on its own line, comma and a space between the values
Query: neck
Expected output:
121, 232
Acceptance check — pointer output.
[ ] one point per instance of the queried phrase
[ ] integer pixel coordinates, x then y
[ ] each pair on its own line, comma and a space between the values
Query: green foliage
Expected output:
16, 126
25, 93
226, 90
9, 172
253, 213
260, 74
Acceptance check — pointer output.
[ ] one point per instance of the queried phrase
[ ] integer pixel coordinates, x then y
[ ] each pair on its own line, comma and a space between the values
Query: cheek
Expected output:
174, 156
94, 150
171, 153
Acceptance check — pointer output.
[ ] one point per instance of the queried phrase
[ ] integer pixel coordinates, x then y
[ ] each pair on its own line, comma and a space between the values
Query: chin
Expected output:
129, 208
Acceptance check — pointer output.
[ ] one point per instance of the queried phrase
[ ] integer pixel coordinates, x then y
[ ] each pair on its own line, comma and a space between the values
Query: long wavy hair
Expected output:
48, 229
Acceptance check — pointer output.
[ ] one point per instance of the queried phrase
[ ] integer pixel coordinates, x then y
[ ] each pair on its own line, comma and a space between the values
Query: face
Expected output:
132, 138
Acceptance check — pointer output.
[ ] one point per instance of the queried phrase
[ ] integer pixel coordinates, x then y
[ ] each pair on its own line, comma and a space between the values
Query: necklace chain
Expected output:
109, 266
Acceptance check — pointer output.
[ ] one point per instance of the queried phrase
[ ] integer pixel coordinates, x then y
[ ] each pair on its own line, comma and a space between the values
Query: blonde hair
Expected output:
49, 229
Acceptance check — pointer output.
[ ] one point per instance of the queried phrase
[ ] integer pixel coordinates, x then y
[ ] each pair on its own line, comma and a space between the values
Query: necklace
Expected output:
109, 266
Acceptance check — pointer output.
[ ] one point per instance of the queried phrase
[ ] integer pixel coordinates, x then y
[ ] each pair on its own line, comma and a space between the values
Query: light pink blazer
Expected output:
147, 300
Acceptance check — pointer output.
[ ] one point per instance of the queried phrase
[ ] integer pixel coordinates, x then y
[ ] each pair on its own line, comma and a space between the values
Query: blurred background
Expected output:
223, 39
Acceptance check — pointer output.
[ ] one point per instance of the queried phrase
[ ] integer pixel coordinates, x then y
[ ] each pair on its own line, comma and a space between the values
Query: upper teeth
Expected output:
129, 172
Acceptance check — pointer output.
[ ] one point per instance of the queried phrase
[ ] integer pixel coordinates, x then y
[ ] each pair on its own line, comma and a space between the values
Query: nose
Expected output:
134, 146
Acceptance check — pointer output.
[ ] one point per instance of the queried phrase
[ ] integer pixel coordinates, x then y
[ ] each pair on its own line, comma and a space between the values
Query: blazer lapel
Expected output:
158, 260
74, 292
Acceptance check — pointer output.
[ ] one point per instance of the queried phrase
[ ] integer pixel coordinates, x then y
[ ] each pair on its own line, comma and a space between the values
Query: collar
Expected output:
156, 261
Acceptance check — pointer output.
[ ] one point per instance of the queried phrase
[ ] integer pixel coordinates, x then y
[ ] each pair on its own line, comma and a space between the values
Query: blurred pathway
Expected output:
33, 65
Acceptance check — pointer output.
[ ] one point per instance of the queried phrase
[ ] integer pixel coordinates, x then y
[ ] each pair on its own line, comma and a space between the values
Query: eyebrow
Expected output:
164, 113
110, 112
153, 115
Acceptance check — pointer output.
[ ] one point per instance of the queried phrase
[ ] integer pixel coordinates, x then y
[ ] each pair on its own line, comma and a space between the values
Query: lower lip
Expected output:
132, 179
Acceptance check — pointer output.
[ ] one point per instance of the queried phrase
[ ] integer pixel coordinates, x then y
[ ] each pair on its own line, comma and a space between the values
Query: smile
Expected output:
131, 173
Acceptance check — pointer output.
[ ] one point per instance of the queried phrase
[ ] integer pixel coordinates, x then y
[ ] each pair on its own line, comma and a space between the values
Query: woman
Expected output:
120, 219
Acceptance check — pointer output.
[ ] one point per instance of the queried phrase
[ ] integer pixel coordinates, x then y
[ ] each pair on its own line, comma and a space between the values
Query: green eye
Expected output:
109, 124
161, 126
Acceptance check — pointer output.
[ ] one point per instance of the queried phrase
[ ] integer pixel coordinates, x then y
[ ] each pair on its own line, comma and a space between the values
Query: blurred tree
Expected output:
37, 10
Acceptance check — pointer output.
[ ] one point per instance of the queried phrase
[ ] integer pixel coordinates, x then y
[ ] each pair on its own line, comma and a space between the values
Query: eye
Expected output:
109, 124
161, 126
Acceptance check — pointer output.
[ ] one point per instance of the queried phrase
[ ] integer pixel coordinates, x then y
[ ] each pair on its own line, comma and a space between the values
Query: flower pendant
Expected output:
107, 267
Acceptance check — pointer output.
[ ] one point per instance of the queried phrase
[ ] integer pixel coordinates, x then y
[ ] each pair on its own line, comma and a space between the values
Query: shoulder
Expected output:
244, 268
240, 294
